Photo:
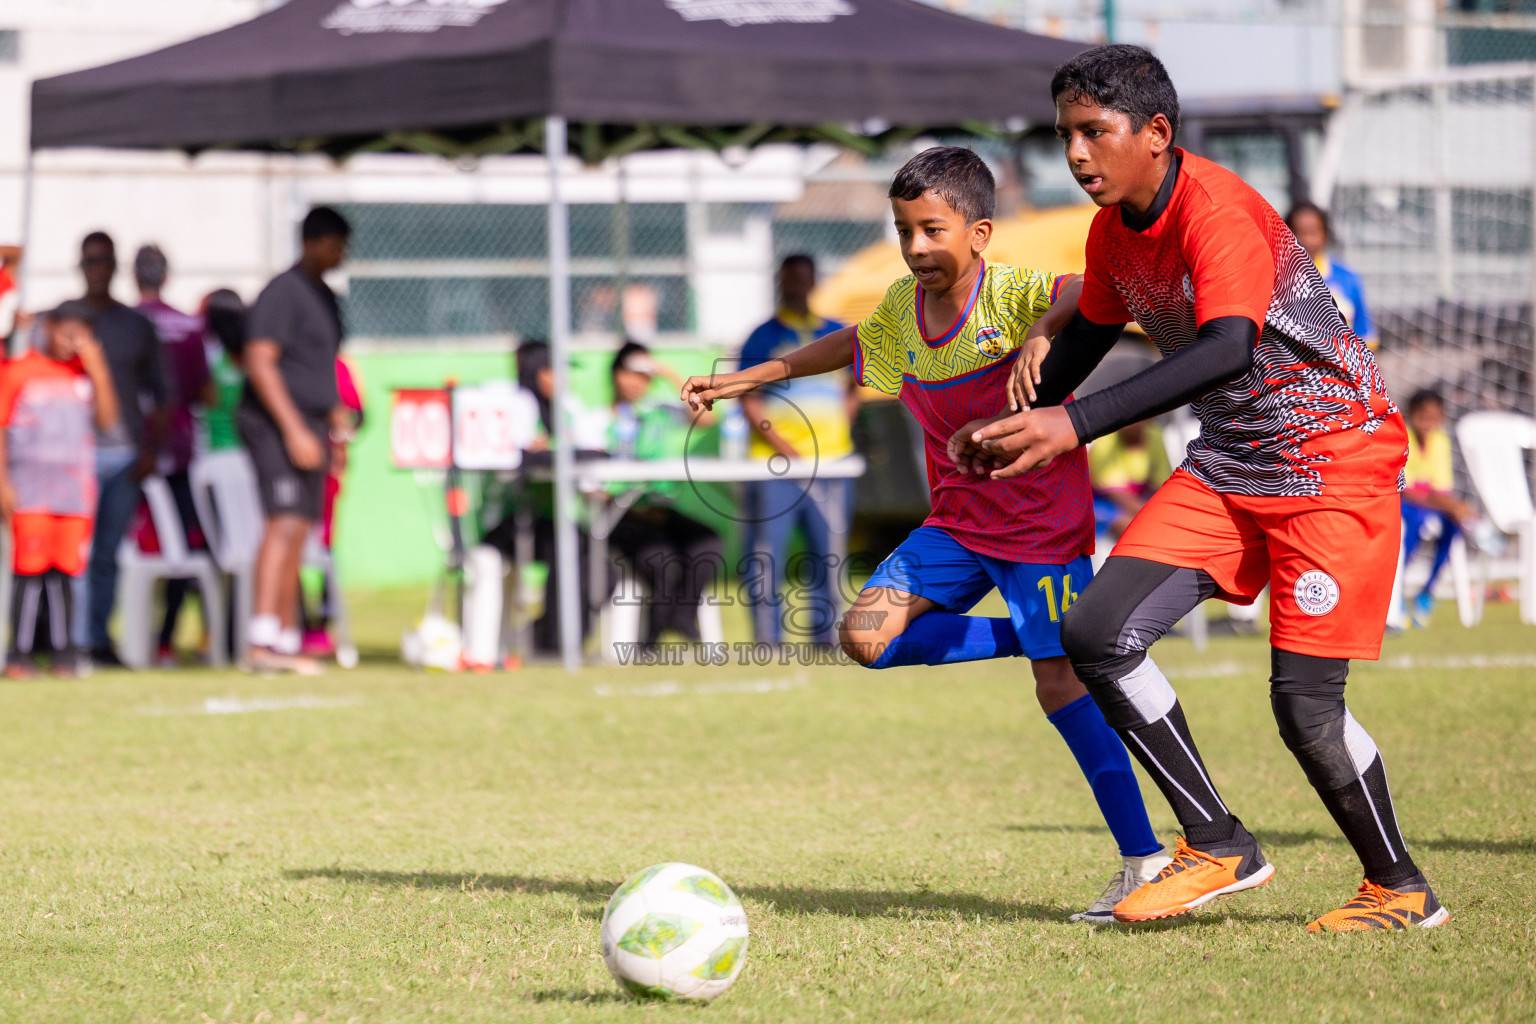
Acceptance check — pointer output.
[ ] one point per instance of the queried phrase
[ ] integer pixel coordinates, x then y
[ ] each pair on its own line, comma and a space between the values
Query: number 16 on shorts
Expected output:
1058, 597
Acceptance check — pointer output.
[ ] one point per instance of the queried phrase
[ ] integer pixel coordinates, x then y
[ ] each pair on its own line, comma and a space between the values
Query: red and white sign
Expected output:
420, 429
492, 424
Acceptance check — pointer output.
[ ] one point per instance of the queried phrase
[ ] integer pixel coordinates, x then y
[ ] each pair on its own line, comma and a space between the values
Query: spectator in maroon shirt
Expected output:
191, 388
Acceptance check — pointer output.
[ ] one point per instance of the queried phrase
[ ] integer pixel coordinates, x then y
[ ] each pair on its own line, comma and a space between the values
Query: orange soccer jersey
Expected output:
1312, 416
1293, 481
46, 412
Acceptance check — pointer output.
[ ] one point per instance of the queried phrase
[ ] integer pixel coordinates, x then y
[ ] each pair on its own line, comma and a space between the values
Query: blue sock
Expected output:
1107, 766
942, 638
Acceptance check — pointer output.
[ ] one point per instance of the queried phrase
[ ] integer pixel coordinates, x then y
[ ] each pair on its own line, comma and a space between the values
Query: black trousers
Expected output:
677, 558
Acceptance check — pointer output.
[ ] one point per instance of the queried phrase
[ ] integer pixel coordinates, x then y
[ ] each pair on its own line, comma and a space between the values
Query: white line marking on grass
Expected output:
1215, 670
753, 686
1396, 663
672, 688
1513, 659
249, 705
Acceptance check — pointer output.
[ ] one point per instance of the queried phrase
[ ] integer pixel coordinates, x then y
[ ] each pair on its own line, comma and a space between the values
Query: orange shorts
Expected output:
1329, 561
45, 541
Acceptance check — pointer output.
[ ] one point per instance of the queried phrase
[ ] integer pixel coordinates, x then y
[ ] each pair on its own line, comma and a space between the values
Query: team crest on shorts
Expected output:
989, 340
1316, 592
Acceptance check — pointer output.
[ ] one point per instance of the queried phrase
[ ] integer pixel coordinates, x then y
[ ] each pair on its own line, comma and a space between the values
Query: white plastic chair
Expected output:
485, 575
138, 572
1103, 543
1467, 590
228, 502
1494, 447
620, 619
1178, 434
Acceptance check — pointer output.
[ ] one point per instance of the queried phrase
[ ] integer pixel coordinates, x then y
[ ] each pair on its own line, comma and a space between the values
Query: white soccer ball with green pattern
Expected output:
674, 931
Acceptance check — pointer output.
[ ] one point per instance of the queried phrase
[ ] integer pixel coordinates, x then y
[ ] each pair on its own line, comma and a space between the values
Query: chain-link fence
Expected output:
1489, 31
443, 271
698, 270
1432, 207
1387, 33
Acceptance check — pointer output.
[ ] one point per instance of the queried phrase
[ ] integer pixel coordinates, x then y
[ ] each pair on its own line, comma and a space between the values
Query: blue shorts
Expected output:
932, 564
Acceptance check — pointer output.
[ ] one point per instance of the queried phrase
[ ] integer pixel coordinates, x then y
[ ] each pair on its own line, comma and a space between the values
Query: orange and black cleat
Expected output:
1197, 876
1412, 905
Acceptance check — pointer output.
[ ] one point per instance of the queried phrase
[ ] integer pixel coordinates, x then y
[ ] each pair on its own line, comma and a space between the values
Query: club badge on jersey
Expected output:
989, 340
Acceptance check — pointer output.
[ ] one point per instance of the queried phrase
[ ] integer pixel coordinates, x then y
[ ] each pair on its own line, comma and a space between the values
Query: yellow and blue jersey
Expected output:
1044, 516
893, 350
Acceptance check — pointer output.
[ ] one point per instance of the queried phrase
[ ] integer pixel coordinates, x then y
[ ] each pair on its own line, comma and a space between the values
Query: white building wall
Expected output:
136, 197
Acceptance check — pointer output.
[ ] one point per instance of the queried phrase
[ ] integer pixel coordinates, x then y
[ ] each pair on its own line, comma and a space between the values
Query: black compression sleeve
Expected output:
1074, 354
1222, 350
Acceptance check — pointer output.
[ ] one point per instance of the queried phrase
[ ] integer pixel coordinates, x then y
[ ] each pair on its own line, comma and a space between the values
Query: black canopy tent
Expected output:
593, 78
479, 76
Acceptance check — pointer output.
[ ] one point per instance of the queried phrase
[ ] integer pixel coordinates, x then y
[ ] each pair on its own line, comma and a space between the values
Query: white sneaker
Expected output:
1133, 874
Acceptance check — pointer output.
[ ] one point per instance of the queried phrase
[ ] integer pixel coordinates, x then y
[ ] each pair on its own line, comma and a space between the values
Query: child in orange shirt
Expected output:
52, 402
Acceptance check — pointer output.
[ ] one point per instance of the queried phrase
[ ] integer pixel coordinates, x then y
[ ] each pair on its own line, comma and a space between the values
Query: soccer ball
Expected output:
674, 931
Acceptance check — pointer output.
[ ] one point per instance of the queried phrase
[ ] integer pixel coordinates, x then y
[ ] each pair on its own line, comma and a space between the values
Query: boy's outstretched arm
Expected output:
824, 355
1037, 344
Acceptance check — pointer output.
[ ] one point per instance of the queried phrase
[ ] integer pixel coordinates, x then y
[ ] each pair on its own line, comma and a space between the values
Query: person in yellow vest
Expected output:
1430, 497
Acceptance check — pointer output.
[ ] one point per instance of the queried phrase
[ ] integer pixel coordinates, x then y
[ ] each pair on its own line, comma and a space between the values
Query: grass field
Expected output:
379, 845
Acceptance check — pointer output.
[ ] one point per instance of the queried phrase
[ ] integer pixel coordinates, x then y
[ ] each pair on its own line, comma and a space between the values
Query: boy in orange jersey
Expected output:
52, 402
1293, 483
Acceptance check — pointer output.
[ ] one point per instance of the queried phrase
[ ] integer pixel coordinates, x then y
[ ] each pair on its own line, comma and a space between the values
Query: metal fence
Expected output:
688, 267
1432, 206
1455, 32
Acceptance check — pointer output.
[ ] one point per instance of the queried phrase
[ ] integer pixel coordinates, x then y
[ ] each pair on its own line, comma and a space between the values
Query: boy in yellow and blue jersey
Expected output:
945, 340
1429, 495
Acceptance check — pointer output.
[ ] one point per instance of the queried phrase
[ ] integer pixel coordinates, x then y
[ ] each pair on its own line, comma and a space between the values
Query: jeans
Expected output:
118, 500
774, 508
1415, 519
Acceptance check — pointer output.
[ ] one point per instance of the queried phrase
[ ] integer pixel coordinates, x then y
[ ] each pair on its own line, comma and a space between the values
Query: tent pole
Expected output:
28, 174
560, 357
621, 248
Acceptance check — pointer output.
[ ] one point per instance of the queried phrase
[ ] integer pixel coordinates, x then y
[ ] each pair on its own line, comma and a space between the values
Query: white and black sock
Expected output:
1167, 751
1132, 603
1340, 760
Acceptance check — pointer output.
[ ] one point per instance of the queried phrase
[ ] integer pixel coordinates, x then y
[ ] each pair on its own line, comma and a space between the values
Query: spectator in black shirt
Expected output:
126, 454
289, 413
